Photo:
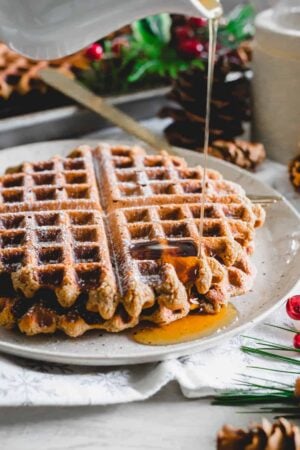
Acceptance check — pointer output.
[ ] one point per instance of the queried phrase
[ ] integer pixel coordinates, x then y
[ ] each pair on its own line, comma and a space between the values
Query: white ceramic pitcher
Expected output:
54, 28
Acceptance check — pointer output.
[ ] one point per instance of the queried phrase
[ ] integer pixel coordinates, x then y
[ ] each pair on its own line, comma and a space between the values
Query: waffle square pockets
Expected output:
71, 229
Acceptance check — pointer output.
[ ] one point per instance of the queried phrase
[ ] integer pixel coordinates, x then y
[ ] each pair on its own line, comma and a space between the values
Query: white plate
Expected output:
277, 258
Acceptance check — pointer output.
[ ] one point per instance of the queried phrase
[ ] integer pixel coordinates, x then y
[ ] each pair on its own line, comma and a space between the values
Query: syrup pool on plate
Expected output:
190, 328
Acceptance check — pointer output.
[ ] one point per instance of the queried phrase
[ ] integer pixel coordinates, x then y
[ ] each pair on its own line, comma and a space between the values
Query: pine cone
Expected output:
281, 435
297, 388
230, 104
247, 155
294, 171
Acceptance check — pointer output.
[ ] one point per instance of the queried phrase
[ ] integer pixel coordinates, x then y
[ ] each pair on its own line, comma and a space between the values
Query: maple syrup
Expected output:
213, 32
183, 255
190, 328
186, 267
165, 248
156, 249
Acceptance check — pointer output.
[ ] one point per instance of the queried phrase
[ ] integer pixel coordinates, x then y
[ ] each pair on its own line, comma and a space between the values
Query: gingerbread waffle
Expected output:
68, 242
43, 315
226, 240
60, 183
20, 75
52, 231
156, 179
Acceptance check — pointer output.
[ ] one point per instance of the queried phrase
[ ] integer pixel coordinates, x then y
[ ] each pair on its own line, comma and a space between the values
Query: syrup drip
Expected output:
181, 254
184, 256
186, 267
213, 32
178, 253
190, 328
163, 247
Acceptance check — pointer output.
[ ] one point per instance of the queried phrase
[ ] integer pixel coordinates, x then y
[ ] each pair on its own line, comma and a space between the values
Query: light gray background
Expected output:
259, 4
167, 421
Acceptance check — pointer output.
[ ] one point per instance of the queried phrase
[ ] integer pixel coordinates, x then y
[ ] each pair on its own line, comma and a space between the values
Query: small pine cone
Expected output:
294, 171
247, 155
265, 436
297, 388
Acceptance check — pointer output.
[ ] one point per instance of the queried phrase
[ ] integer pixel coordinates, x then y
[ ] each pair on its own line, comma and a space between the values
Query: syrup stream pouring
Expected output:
213, 31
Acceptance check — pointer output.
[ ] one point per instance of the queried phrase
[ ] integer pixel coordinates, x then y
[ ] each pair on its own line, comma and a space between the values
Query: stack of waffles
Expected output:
20, 75
68, 227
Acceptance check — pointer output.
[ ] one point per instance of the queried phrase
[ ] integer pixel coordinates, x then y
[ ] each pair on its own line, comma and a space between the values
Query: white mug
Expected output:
276, 85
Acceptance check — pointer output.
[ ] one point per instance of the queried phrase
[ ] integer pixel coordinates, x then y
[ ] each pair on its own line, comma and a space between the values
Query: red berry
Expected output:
197, 22
118, 44
191, 47
183, 32
293, 307
297, 341
94, 52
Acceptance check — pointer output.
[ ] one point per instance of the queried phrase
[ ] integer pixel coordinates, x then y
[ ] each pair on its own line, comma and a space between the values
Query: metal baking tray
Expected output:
72, 121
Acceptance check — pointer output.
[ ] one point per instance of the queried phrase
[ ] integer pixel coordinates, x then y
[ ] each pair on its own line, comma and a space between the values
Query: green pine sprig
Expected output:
151, 52
238, 27
254, 390
151, 59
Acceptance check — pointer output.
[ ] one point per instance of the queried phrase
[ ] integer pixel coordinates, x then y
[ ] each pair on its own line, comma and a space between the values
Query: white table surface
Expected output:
166, 421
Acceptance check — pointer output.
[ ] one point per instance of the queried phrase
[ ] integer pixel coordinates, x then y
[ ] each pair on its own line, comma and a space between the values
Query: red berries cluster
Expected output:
187, 41
293, 310
95, 51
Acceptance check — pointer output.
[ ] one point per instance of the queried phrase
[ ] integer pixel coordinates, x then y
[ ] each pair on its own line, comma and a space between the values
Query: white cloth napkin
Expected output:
24, 382
30, 383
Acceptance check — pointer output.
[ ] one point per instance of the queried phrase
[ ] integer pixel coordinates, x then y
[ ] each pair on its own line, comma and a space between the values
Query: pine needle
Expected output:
273, 370
272, 345
260, 352
255, 389
292, 330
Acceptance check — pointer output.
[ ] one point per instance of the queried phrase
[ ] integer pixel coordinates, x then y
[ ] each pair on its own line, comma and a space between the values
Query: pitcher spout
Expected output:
210, 9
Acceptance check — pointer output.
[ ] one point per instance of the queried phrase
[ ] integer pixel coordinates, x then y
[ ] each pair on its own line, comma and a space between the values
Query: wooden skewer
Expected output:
265, 199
